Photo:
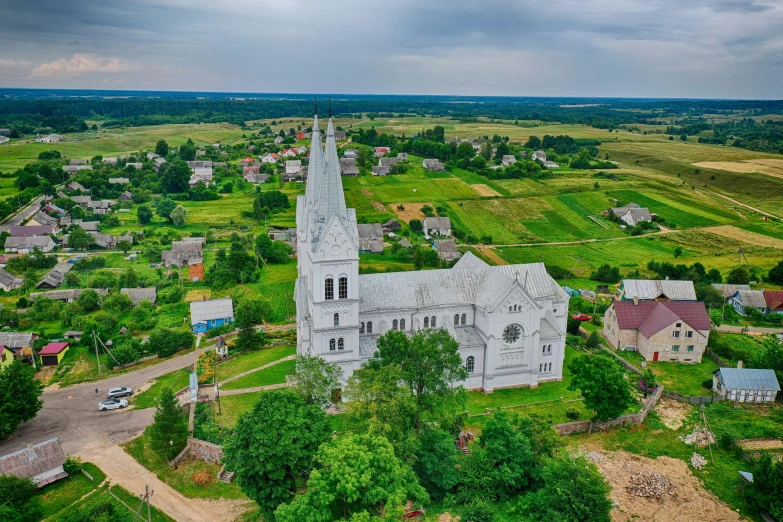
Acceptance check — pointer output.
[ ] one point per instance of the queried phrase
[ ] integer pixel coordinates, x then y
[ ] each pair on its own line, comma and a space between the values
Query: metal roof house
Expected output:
744, 300
25, 245
437, 226
745, 384
138, 295
729, 290
656, 290
205, 315
9, 281
42, 463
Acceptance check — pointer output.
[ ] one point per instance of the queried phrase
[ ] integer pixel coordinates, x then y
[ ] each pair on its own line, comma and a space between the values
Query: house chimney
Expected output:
635, 300
739, 364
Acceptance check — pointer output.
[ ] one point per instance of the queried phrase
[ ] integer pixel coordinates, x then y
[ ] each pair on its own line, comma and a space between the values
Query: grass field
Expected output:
686, 379
235, 405
252, 359
273, 375
174, 380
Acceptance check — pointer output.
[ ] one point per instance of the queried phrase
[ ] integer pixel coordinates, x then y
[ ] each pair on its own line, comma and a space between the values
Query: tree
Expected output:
766, 490
162, 148
164, 208
117, 302
19, 396
19, 502
356, 477
770, 356
427, 210
677, 251
601, 381
249, 339
316, 379
776, 274
272, 251
362, 157
129, 279
273, 445
169, 431
175, 176
510, 452
416, 225
593, 341
486, 150
436, 463
89, 301
79, 239
465, 152
738, 276
606, 274
125, 246
187, 151
533, 142
144, 215
430, 365
178, 216
573, 491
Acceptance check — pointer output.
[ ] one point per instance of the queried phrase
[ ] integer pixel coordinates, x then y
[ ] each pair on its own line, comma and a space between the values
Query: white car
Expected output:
112, 404
121, 391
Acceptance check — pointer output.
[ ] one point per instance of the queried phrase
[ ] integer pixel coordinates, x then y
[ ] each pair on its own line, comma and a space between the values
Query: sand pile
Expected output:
649, 484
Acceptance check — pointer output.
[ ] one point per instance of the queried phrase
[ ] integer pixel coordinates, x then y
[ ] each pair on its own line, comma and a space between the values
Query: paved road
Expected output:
26, 213
72, 413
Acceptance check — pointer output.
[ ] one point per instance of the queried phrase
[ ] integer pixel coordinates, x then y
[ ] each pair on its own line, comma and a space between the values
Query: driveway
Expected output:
72, 413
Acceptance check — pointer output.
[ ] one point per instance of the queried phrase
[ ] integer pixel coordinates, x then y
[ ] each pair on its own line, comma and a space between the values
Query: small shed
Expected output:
746, 384
52, 354
208, 314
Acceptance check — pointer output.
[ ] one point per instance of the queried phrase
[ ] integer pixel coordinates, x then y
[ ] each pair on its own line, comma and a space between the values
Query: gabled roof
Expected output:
137, 295
201, 311
33, 460
748, 379
437, 223
53, 348
646, 289
17, 242
447, 249
196, 270
729, 290
774, 299
650, 317
10, 280
370, 231
17, 339
31, 230
752, 298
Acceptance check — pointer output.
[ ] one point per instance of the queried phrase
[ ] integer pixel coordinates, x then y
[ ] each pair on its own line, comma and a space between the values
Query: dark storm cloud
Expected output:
701, 48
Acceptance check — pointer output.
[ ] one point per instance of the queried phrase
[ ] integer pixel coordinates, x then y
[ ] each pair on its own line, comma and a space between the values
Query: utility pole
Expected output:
97, 355
144, 499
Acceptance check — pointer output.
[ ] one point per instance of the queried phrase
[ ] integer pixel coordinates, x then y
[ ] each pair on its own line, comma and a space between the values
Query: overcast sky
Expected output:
631, 48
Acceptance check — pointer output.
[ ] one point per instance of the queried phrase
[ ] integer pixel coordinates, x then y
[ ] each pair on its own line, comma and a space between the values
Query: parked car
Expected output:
582, 317
121, 391
112, 404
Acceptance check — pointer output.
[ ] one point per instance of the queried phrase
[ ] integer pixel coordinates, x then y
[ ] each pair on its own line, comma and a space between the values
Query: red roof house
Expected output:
774, 301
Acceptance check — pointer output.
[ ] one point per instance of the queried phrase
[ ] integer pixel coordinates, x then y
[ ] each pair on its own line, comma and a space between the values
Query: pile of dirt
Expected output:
673, 413
700, 437
650, 484
698, 461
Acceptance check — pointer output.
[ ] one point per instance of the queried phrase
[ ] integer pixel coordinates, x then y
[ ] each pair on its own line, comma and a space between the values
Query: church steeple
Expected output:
316, 163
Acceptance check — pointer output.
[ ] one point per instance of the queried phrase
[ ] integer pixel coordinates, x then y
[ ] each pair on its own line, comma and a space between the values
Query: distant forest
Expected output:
27, 111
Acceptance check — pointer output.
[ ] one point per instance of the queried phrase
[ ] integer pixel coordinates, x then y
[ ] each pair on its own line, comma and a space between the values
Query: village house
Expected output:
42, 218
402, 156
25, 245
159, 163
152, 156
350, 153
348, 167
9, 281
49, 138
508, 159
88, 226
32, 230
387, 162
82, 201
655, 290
255, 176
380, 151
5, 130
437, 226
744, 300
675, 331
76, 168
125, 196
196, 272
446, 249
135, 165
270, 157
632, 214
52, 354
66, 296
774, 301
539, 155
138, 295
110, 161
279, 140
42, 463
183, 253
289, 153
74, 185
727, 291
293, 167
433, 165
209, 314
300, 135
745, 384
78, 162
6, 356
119, 181
340, 135
18, 342
370, 238
4, 139
392, 225
55, 276
380, 171
201, 170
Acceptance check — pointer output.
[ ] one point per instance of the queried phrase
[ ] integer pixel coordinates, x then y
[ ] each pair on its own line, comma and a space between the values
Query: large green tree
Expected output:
437, 461
187, 151
144, 215
178, 216
169, 431
602, 383
79, 239
162, 148
573, 491
766, 490
175, 176
274, 445
316, 379
358, 478
20, 396
510, 451
776, 274
164, 208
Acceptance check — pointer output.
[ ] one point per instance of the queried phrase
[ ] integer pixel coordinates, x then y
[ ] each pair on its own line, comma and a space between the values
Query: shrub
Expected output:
73, 465
572, 413
707, 383
478, 511
203, 478
726, 441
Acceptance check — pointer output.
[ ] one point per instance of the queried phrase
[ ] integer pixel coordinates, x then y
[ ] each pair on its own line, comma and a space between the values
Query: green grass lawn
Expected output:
59, 495
232, 406
252, 359
175, 380
181, 478
132, 500
273, 375
681, 378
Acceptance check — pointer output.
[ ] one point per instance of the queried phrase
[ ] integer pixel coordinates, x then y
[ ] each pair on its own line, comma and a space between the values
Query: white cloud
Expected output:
81, 64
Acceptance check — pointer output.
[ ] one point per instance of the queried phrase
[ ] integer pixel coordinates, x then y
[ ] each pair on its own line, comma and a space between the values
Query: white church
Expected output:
509, 320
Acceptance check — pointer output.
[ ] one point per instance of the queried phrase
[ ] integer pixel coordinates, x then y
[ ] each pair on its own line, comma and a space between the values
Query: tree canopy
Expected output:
315, 379
20, 396
169, 431
601, 381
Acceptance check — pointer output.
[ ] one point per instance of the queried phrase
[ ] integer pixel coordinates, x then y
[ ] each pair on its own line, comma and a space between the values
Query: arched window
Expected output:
510, 308
340, 344
456, 319
402, 324
343, 287
394, 324
331, 345
543, 350
426, 322
549, 348
369, 326
540, 368
432, 322
361, 328
329, 289
470, 364
464, 319
336, 319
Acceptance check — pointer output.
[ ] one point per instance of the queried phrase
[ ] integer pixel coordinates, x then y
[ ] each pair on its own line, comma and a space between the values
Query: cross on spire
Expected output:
315, 105
330, 105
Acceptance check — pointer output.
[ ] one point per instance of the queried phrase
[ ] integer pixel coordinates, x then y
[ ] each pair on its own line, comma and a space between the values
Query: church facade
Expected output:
509, 320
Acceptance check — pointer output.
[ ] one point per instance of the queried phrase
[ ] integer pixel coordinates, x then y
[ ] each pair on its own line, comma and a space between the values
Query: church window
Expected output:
550, 367
456, 319
331, 345
340, 344
470, 364
464, 319
361, 328
394, 324
540, 368
329, 289
510, 308
426, 322
337, 319
432, 322
512, 333
402, 324
544, 350
343, 287
369, 326
549, 348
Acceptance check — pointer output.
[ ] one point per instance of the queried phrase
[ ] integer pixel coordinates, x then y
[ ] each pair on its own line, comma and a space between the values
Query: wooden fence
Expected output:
693, 399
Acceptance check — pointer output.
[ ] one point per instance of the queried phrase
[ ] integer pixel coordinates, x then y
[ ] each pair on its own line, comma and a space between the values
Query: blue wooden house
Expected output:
206, 315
